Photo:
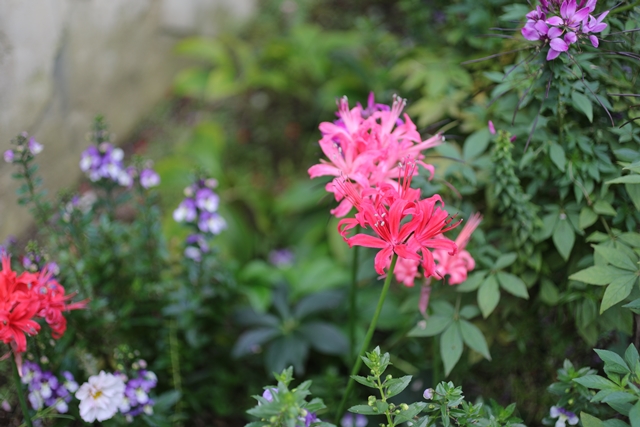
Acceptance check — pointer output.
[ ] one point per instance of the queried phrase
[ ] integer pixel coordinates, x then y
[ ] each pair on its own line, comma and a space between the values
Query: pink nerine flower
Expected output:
365, 146
458, 265
100, 397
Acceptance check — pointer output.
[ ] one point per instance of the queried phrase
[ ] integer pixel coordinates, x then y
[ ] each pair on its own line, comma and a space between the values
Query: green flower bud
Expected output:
404, 406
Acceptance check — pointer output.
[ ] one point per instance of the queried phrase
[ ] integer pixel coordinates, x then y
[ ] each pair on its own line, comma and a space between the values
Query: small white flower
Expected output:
100, 397
563, 416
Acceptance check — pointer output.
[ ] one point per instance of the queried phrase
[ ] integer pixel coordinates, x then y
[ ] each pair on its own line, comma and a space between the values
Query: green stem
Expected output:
625, 8
23, 403
367, 339
174, 351
352, 302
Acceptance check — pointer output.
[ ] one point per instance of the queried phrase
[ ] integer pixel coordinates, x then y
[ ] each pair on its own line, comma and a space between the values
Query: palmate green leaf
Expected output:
630, 238
557, 156
505, 260
473, 337
617, 291
604, 208
597, 382
633, 306
513, 284
563, 238
469, 312
616, 257
473, 281
434, 325
634, 415
451, 347
488, 296
582, 103
627, 179
587, 217
598, 275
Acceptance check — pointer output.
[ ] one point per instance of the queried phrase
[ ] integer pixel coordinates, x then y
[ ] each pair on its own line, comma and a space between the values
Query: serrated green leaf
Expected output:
488, 295
582, 103
563, 238
505, 260
613, 363
587, 217
617, 291
434, 325
598, 275
597, 382
604, 208
590, 420
557, 156
397, 385
474, 338
451, 347
616, 257
513, 284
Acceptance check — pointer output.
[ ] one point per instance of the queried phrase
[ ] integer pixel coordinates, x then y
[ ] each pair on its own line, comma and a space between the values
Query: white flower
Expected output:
100, 397
563, 416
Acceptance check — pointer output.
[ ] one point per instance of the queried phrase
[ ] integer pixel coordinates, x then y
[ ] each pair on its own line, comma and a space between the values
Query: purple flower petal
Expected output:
554, 32
530, 34
559, 45
553, 54
555, 20
570, 38
594, 41
542, 28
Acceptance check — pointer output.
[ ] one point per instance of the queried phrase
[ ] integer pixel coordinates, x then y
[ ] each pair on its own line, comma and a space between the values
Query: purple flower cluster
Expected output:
46, 390
106, 162
200, 209
136, 394
29, 147
563, 23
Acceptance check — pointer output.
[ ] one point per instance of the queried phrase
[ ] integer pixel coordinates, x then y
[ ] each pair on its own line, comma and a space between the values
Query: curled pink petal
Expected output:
594, 41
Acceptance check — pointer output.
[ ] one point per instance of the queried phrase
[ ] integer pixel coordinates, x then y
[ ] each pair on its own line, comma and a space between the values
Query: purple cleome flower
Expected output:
9, 156
563, 23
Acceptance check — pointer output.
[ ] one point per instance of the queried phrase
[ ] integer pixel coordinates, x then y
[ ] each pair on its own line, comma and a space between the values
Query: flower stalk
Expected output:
23, 402
367, 339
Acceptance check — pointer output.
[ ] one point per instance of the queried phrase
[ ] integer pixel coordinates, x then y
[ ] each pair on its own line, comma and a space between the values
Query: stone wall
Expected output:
64, 61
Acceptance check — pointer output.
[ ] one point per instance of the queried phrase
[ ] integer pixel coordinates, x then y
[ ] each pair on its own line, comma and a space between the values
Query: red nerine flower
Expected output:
27, 297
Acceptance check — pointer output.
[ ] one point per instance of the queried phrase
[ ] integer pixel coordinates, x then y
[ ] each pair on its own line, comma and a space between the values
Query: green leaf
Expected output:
634, 306
476, 144
597, 275
618, 290
469, 312
473, 337
597, 382
363, 409
451, 347
587, 217
582, 103
633, 190
604, 208
632, 357
364, 381
557, 156
432, 326
619, 397
488, 296
505, 260
590, 420
549, 293
634, 415
564, 237
513, 284
627, 179
616, 257
473, 282
397, 385
613, 363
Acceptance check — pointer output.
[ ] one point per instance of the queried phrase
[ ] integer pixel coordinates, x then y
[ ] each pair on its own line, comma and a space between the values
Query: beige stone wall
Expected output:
64, 61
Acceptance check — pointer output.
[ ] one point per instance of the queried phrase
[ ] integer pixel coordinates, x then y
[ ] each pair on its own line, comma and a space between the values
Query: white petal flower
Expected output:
100, 397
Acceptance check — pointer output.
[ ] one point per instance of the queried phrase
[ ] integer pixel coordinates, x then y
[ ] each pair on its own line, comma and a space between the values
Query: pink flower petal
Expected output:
570, 38
555, 20
554, 32
594, 41
553, 54
542, 28
559, 45
530, 34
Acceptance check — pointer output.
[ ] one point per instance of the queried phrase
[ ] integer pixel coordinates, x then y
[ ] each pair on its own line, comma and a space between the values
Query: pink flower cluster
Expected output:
563, 23
367, 149
366, 146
